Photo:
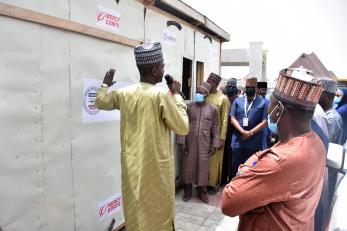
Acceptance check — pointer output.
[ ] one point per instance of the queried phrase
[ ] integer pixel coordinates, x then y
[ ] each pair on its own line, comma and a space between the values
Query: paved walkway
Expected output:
198, 216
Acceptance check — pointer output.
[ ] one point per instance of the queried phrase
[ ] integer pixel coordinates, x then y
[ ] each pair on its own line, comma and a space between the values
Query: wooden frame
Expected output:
47, 20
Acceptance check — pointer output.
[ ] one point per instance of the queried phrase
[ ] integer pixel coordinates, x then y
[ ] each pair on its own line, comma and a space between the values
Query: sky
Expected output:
287, 29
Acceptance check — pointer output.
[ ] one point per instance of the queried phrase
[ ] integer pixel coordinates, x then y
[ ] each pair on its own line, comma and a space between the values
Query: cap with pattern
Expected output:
148, 53
251, 82
213, 77
206, 87
298, 87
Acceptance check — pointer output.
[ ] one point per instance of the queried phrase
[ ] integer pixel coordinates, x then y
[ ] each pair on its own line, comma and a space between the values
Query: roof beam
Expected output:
213, 27
185, 9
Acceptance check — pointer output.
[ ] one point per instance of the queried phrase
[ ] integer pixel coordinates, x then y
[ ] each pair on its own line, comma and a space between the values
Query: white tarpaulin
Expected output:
107, 18
60, 170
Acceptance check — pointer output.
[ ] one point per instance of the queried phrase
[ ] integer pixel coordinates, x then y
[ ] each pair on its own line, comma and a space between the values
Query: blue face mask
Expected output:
199, 97
337, 99
273, 126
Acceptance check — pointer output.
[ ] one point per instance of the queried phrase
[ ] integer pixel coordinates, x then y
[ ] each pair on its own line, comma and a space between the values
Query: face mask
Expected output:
199, 97
337, 99
232, 91
273, 126
250, 91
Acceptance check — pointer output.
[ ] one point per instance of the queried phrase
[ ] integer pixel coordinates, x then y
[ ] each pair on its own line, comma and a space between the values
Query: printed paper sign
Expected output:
90, 114
109, 206
170, 37
107, 18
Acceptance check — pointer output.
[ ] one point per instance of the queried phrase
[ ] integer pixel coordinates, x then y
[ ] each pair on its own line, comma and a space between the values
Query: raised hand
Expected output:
108, 79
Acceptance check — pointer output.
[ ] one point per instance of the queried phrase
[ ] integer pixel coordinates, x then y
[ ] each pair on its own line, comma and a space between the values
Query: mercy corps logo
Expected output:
171, 38
89, 98
107, 18
109, 207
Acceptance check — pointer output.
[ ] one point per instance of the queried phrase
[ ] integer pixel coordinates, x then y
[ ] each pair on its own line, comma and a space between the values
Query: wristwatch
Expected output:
104, 85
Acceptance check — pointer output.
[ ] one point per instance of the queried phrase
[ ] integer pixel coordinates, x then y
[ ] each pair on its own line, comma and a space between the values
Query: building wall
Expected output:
208, 52
55, 168
176, 43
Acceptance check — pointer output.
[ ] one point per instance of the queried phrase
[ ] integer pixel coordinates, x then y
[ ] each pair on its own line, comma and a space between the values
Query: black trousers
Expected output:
227, 156
240, 155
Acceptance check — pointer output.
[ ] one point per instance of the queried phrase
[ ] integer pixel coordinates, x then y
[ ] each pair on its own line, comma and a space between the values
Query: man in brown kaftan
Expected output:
279, 188
201, 142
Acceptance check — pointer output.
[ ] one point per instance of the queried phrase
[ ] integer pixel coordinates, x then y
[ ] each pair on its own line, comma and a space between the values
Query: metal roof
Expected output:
193, 17
312, 62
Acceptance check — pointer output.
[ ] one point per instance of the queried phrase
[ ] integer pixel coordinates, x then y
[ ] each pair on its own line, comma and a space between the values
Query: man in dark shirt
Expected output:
249, 117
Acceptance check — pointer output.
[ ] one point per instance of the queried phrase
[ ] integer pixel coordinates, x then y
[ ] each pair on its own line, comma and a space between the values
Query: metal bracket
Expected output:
209, 38
174, 23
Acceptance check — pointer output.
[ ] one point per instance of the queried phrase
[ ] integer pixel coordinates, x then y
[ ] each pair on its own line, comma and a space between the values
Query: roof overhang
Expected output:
193, 17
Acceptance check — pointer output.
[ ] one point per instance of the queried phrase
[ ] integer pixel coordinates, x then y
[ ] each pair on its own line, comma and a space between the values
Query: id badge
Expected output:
245, 122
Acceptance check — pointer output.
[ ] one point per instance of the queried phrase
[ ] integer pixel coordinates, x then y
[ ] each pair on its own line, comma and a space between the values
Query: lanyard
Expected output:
249, 107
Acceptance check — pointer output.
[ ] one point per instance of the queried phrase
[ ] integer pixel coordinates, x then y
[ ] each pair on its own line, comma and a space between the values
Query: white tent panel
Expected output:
96, 146
176, 44
58, 9
56, 169
130, 11
171, 38
58, 210
215, 56
208, 53
21, 178
188, 43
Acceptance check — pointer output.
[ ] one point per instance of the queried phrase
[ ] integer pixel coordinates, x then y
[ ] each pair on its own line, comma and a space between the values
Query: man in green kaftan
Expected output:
148, 114
221, 102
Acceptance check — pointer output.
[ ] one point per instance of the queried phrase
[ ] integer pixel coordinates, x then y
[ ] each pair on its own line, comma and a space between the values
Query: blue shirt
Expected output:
342, 110
256, 114
325, 140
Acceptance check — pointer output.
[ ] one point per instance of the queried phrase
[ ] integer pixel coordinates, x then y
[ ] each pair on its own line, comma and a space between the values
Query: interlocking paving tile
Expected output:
198, 216
192, 219
203, 228
186, 226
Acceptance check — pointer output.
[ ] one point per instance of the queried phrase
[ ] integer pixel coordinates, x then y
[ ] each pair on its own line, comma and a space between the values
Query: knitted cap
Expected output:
148, 53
